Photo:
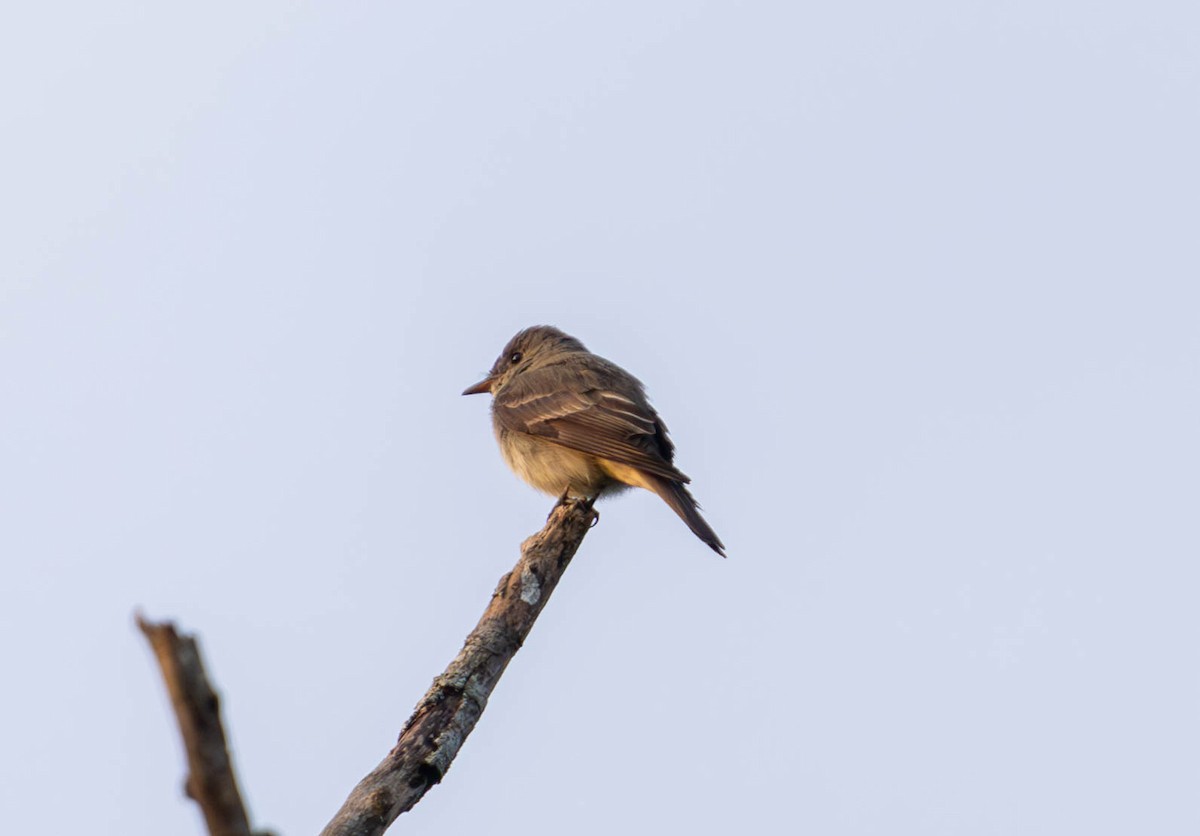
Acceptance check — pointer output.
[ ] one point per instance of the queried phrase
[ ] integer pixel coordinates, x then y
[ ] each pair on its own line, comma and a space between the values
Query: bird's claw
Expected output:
565, 499
586, 502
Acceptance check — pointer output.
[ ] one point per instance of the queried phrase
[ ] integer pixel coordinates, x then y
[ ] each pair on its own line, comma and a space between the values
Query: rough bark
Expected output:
447, 713
210, 782
431, 737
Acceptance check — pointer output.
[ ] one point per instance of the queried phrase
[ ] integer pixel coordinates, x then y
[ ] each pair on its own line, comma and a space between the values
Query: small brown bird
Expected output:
572, 423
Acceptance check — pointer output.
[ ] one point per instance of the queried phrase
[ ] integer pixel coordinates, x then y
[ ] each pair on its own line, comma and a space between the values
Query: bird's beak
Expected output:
479, 388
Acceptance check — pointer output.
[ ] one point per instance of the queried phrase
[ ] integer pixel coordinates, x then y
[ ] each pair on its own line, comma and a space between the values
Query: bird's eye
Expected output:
515, 357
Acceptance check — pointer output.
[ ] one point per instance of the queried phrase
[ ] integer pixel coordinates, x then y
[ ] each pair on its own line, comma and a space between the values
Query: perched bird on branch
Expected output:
571, 423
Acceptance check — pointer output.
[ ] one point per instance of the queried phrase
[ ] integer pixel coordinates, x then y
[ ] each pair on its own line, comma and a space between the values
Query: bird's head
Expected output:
531, 348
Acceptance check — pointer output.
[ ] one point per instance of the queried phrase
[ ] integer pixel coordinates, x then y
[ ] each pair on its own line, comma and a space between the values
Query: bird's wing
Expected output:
584, 414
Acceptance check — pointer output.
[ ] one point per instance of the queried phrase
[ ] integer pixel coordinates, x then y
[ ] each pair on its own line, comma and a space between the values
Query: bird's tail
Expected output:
685, 505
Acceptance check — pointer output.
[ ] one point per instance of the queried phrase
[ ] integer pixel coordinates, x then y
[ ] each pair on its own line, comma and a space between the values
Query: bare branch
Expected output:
447, 713
210, 782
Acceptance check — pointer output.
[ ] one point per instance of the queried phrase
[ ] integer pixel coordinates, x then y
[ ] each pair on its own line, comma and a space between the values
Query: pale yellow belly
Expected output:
552, 468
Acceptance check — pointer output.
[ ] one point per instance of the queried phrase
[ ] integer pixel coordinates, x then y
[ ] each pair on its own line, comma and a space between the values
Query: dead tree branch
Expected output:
448, 712
210, 782
434, 733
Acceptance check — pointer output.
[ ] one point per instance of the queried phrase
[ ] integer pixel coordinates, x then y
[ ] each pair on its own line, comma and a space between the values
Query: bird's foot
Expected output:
586, 502
565, 499
589, 505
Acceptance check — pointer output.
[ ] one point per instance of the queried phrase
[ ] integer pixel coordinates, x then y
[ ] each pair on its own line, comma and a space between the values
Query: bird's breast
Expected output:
551, 467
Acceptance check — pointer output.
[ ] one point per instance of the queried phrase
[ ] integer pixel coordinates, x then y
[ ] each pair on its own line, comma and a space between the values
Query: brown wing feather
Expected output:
551, 403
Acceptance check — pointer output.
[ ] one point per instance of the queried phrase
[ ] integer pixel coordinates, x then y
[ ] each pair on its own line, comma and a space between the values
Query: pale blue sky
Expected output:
914, 285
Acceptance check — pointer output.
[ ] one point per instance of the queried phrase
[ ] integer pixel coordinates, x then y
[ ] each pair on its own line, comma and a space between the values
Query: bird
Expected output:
571, 423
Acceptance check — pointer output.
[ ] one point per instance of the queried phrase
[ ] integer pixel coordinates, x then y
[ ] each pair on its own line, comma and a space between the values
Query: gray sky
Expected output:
914, 285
